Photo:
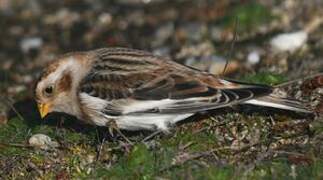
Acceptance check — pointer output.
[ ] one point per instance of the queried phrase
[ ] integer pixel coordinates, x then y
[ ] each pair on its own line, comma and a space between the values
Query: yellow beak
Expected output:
43, 109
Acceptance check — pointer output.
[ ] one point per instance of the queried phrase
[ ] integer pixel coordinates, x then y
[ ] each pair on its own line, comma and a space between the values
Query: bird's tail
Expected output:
280, 103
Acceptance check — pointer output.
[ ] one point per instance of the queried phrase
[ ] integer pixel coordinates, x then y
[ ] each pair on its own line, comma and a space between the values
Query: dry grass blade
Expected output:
15, 145
229, 56
297, 80
10, 105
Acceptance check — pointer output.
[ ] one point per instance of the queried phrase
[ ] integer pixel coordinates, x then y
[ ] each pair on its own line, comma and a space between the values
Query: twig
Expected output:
229, 56
212, 126
151, 136
182, 148
100, 149
313, 24
298, 79
34, 167
7, 101
288, 153
16, 145
257, 161
123, 136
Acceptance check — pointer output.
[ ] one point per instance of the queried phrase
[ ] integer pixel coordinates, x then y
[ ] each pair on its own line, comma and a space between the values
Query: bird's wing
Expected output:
133, 81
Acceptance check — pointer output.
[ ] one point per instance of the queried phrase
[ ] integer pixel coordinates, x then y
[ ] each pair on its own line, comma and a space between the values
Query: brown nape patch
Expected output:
65, 83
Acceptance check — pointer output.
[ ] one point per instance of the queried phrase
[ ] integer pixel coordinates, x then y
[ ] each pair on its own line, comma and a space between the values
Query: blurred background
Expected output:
264, 41
196, 33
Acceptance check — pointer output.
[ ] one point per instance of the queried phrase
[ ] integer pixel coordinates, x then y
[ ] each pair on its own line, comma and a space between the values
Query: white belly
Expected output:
131, 120
149, 121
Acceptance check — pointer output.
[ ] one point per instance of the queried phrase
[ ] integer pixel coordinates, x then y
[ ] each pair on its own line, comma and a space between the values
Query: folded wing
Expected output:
133, 81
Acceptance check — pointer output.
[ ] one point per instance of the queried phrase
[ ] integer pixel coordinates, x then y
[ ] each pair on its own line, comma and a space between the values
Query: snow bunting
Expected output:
138, 90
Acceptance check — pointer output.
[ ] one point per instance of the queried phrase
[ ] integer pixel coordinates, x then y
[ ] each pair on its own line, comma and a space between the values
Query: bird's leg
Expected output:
99, 149
152, 135
113, 126
166, 131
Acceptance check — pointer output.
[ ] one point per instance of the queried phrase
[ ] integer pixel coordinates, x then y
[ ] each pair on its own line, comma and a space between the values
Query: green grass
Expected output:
141, 161
265, 78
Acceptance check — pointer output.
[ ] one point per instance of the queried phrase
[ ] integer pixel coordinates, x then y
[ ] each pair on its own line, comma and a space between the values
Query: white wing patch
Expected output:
93, 103
139, 106
95, 107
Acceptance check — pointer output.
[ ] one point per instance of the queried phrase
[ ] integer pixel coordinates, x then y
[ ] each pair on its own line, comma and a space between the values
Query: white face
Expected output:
54, 91
57, 89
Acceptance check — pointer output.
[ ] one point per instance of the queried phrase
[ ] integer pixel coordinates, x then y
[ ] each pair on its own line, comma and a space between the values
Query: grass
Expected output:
226, 146
265, 78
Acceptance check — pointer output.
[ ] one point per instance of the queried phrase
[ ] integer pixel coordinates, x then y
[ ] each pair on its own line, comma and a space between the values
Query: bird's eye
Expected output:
49, 90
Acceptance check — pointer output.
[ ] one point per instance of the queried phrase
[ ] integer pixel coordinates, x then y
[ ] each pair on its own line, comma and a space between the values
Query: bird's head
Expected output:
56, 90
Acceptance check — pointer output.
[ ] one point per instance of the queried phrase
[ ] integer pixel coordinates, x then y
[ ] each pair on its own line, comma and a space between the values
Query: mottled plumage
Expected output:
139, 90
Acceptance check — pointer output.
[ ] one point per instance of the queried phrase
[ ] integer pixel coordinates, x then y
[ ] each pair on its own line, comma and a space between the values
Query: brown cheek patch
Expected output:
65, 83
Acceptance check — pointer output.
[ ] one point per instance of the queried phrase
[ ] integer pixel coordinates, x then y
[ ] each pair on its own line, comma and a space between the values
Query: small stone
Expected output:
27, 78
289, 42
163, 33
136, 18
138, 2
253, 57
16, 89
6, 6
203, 49
42, 141
90, 158
105, 19
162, 51
216, 33
64, 17
28, 44
213, 64
191, 33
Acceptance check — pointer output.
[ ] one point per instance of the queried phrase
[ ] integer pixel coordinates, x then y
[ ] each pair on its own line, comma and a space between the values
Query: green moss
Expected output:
138, 164
265, 78
199, 141
215, 173
142, 162
15, 132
